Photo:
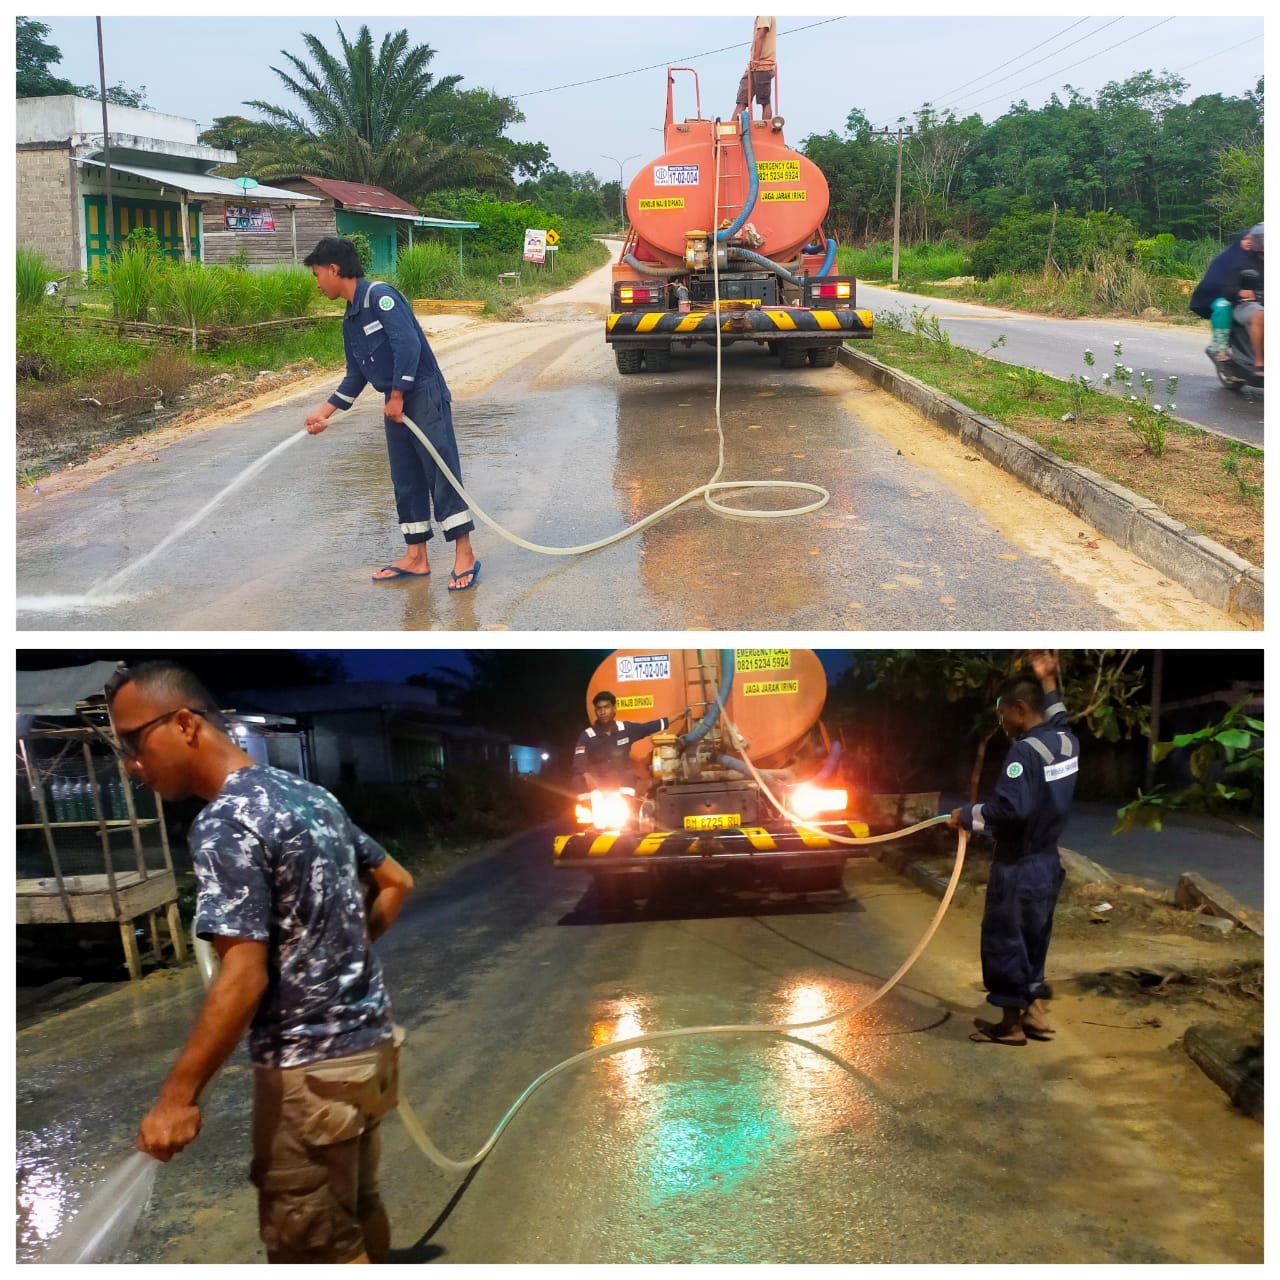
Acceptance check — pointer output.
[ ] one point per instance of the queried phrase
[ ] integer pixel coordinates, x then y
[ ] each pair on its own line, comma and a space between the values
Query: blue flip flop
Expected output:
396, 572
474, 571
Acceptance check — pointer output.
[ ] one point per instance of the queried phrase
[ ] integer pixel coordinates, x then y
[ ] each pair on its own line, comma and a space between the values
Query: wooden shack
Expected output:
92, 847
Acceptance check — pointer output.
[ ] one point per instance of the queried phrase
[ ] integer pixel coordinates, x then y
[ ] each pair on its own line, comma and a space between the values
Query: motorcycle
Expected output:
1235, 365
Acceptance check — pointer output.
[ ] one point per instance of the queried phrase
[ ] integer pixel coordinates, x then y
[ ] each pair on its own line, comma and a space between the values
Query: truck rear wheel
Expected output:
823, 357
793, 356
658, 359
628, 359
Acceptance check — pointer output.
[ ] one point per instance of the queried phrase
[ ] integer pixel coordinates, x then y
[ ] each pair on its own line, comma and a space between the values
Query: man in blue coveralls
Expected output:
1026, 816
602, 754
386, 348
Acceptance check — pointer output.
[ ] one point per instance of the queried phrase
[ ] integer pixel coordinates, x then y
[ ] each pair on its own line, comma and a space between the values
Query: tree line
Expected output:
379, 114
1135, 150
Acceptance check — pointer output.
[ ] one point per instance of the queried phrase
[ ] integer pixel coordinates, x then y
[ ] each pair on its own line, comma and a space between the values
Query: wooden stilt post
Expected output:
175, 932
132, 960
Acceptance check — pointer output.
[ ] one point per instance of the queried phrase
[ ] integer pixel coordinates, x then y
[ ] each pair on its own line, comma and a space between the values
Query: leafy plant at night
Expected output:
1225, 761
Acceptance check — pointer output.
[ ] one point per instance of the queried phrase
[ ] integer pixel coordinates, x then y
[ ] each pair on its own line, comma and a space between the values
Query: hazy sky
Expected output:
886, 67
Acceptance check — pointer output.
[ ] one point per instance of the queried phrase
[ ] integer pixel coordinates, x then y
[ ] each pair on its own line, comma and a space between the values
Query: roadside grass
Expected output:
1212, 484
79, 389
90, 389
1084, 293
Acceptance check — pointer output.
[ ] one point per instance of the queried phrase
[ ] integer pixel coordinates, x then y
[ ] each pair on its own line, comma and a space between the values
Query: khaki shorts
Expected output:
761, 85
316, 1144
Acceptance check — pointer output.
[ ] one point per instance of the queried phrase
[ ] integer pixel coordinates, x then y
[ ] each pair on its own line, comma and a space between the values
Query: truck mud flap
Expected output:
596, 850
774, 324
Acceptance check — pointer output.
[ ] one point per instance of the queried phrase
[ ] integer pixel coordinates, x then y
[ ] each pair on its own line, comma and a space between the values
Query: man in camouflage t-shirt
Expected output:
279, 866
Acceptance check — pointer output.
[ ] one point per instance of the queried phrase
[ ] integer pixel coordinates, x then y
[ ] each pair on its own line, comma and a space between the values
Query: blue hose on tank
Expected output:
753, 191
830, 260
750, 255
700, 730
829, 764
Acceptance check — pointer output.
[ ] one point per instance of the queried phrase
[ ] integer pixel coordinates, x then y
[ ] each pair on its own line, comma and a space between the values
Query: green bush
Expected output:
364, 249
1021, 242
191, 294
504, 222
284, 292
34, 275
66, 352
916, 263
241, 299
134, 276
429, 269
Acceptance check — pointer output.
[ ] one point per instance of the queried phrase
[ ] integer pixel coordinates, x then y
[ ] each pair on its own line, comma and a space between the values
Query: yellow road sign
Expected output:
553, 237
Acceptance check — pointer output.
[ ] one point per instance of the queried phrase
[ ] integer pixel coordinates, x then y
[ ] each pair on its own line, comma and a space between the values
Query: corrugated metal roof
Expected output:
204, 184
359, 194
55, 692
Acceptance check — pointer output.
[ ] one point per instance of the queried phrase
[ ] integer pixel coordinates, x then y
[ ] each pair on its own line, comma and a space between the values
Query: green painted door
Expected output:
162, 217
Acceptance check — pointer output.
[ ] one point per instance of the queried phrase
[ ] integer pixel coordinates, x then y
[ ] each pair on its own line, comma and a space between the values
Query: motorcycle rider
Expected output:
1223, 279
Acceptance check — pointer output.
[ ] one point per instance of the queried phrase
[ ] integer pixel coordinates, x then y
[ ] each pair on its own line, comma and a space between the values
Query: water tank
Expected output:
777, 696
675, 193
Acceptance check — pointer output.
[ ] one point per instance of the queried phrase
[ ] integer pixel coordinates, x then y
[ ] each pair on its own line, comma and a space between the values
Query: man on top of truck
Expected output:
757, 79
602, 756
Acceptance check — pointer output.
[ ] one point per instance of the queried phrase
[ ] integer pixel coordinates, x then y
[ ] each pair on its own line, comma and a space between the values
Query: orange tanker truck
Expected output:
695, 808
728, 203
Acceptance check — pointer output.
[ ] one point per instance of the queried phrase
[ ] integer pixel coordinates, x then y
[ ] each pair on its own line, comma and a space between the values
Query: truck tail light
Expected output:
638, 295
842, 289
807, 801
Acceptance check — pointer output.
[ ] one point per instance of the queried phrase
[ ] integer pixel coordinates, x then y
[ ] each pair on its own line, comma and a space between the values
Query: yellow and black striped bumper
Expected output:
776, 323
634, 848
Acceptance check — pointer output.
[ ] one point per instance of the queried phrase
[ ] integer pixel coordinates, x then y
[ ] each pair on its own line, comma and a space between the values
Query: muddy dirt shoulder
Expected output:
91, 445
1123, 941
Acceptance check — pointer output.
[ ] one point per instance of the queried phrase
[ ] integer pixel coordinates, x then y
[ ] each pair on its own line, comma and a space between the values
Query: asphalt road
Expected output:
894, 1139
559, 448
1057, 346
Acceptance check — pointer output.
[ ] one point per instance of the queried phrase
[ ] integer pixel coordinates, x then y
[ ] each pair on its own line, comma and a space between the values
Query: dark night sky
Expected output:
1187, 671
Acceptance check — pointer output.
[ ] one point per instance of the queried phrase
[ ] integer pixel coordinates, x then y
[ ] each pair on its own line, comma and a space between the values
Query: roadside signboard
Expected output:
535, 246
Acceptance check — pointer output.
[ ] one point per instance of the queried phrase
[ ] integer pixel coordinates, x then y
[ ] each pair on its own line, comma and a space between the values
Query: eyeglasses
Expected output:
131, 739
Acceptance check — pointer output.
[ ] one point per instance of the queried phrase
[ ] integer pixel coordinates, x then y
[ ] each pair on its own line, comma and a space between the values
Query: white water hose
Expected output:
101, 591
106, 1220
703, 491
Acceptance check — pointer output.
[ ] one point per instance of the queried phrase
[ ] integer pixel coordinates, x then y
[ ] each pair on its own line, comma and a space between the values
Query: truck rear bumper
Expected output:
601, 850
772, 324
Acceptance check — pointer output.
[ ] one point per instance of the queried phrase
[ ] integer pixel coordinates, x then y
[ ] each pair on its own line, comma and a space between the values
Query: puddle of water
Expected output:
67, 604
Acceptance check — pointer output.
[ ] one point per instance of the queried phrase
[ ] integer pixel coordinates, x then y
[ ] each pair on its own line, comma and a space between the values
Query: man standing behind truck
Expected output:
602, 756
1026, 816
761, 68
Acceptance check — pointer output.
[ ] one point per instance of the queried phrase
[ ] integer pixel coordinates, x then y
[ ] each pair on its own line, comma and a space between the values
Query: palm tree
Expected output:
367, 118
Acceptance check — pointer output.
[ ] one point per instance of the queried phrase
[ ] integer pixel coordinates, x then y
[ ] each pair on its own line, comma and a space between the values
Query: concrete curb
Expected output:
1232, 1059
1208, 570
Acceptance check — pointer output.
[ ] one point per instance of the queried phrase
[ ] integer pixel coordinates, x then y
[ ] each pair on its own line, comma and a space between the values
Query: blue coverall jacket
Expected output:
608, 755
1026, 816
387, 350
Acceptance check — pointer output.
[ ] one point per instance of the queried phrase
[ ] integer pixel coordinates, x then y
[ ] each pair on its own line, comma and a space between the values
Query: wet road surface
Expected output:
562, 450
1056, 345
894, 1139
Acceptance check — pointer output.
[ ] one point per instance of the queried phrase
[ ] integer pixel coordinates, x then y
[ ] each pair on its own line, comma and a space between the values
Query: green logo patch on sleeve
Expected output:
1014, 770
386, 302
